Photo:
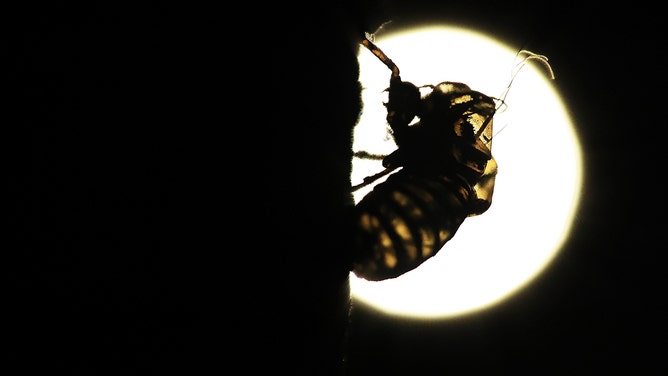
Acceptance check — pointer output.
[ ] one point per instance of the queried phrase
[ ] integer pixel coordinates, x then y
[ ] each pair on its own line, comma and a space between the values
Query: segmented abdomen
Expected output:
405, 220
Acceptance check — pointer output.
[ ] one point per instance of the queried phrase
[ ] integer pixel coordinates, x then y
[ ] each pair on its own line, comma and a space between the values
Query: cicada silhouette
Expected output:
447, 173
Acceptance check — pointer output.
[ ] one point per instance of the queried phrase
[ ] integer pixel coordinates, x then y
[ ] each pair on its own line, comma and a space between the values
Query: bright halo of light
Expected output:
537, 187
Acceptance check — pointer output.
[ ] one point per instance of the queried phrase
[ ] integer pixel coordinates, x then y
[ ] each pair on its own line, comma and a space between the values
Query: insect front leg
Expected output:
403, 103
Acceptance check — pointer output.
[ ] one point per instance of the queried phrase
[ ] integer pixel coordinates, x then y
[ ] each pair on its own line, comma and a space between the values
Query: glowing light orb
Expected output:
537, 187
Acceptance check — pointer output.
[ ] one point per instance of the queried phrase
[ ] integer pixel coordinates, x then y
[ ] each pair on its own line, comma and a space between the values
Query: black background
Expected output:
123, 240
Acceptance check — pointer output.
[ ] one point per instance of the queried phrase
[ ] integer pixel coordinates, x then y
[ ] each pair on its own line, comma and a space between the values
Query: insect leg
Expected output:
381, 55
366, 155
370, 179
